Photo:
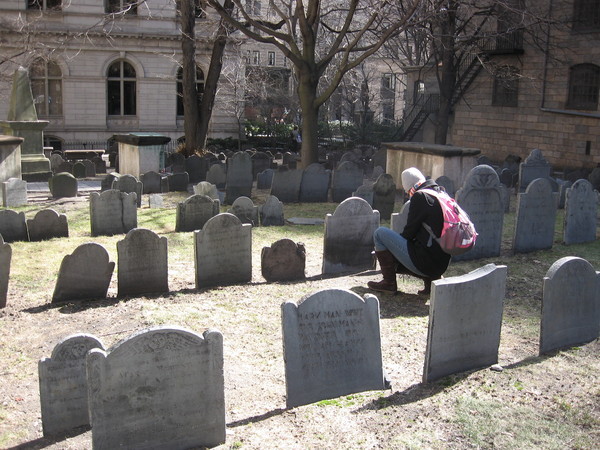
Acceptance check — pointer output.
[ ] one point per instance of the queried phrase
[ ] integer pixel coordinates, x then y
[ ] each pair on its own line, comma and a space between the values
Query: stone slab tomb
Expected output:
63, 385
112, 212
84, 274
286, 185
348, 238
581, 213
570, 304
63, 185
47, 224
143, 263
315, 184
5, 258
332, 346
128, 184
271, 213
284, 260
13, 226
195, 211
384, 196
245, 210
14, 192
239, 177
346, 178
465, 318
162, 388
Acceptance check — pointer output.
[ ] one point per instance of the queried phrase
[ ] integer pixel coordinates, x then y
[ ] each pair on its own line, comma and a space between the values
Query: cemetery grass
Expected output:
550, 401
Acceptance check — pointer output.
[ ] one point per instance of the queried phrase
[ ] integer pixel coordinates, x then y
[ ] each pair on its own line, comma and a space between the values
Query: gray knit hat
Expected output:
410, 177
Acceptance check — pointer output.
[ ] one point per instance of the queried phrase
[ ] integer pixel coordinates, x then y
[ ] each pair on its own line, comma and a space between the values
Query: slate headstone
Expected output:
239, 177
508, 177
14, 192
284, 260
206, 188
195, 211
581, 213
217, 175
112, 212
398, 220
47, 224
264, 179
5, 257
154, 183
55, 161
376, 172
90, 168
243, 208
63, 185
178, 182
535, 166
177, 162
13, 226
315, 184
365, 191
79, 170
196, 167
345, 180
286, 185
261, 161
379, 158
128, 184
447, 184
465, 318
332, 346
271, 213
384, 196
65, 166
99, 165
108, 181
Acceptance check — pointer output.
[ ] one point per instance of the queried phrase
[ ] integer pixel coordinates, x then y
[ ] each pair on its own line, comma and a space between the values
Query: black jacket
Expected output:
425, 252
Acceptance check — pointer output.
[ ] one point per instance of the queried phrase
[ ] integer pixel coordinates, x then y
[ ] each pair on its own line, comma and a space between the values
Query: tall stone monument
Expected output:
22, 121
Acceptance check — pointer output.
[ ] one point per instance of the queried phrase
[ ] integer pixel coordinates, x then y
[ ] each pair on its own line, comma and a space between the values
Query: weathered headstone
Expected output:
348, 239
365, 191
154, 183
508, 177
217, 175
5, 257
570, 304
398, 220
379, 158
535, 166
243, 208
260, 161
196, 167
155, 201
108, 181
284, 260
63, 185
239, 177
195, 211
206, 188
447, 184
315, 184
289, 160
177, 162
178, 182
65, 166
564, 186
264, 179
55, 161
47, 224
112, 212
384, 196
581, 213
14, 192
223, 252
78, 170
535, 218
85, 274
90, 168
143, 263
465, 318
345, 180
160, 388
286, 185
128, 184
13, 226
99, 164
63, 385
271, 213
332, 346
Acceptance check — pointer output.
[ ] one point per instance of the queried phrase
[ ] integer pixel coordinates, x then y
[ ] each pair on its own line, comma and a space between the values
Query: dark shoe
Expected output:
383, 286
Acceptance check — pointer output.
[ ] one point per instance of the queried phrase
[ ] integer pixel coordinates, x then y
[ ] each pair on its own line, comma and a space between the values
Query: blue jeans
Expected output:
387, 239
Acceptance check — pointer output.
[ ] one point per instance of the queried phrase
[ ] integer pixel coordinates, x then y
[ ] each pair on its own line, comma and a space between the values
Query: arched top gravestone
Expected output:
195, 211
286, 185
47, 224
154, 183
13, 226
314, 186
208, 189
581, 213
535, 166
63, 184
346, 178
128, 183
217, 175
245, 210
112, 212
239, 177
271, 213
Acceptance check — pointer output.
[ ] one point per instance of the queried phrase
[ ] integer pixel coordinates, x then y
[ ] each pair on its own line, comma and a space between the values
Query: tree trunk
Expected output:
307, 94
191, 112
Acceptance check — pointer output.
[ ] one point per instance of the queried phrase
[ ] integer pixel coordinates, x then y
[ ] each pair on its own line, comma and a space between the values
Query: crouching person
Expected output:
414, 251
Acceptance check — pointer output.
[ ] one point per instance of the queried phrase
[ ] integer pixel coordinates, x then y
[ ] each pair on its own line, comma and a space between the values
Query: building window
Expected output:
46, 86
199, 12
271, 58
584, 84
45, 4
418, 91
506, 87
124, 6
199, 87
256, 58
388, 96
586, 15
121, 89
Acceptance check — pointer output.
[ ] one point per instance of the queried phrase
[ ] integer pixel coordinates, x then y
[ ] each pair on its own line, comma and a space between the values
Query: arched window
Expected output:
506, 86
117, 6
46, 86
45, 4
586, 15
584, 84
121, 89
199, 87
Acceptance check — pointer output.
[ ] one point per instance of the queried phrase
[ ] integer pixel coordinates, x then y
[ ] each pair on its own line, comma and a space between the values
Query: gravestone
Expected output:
143, 263
128, 183
284, 260
223, 252
376, 172
379, 158
535, 166
99, 164
508, 177
398, 220
315, 184
63, 385
261, 161
5, 257
47, 224
332, 346
217, 175
206, 188
178, 182
384, 196
481, 198
177, 162
108, 181
505, 196
78, 170
289, 160
154, 183
564, 186
194, 212
365, 192
345, 180
65, 166
160, 388
271, 213
13, 226
63, 185
243, 208
90, 168
239, 177
196, 167
85, 274
570, 304
348, 238
155, 201
55, 161
535, 217
264, 180
581, 213
286, 185
447, 184
14, 192
348, 156
112, 212
465, 318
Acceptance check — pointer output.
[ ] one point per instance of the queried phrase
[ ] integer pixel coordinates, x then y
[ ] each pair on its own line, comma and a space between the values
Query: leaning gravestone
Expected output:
284, 260
465, 318
13, 226
5, 257
535, 217
271, 213
143, 263
348, 239
570, 304
581, 213
14, 192
63, 385
112, 212
178, 182
154, 183
217, 175
535, 166
128, 184
345, 180
160, 388
315, 184
208, 189
481, 198
63, 185
195, 211
243, 208
264, 179
79, 170
332, 346
398, 220
47, 224
85, 274
384, 196
223, 252
286, 185
239, 177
